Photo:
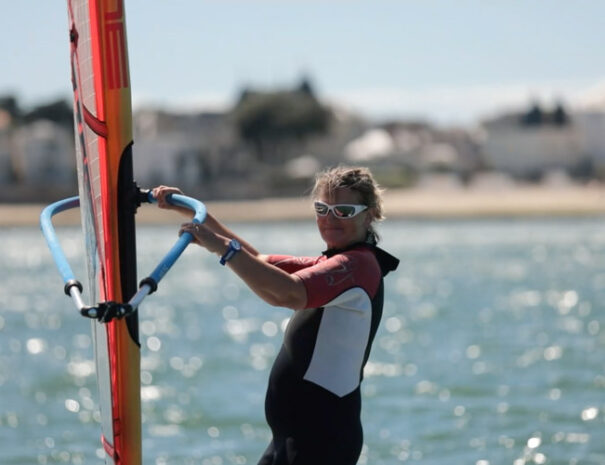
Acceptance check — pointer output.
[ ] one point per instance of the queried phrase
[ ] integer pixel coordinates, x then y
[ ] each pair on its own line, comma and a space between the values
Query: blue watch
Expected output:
234, 247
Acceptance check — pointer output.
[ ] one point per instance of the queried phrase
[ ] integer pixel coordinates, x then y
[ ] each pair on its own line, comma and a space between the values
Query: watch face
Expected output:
235, 244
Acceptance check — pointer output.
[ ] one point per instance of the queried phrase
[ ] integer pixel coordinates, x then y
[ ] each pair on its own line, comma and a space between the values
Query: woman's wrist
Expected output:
220, 245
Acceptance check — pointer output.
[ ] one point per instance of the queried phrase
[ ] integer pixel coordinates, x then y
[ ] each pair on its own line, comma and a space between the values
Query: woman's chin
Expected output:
334, 242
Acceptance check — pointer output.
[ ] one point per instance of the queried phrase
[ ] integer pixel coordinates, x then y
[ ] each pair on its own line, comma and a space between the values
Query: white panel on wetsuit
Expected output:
341, 342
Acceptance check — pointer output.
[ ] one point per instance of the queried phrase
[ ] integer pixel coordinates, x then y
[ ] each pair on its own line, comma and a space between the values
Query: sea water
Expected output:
491, 349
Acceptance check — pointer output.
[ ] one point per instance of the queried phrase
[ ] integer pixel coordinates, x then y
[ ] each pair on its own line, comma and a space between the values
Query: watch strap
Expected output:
234, 247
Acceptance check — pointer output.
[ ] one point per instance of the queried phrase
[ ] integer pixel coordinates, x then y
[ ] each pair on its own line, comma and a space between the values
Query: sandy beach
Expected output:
409, 203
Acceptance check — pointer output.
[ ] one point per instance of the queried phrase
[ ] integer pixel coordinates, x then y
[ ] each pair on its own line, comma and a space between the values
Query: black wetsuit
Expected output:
313, 401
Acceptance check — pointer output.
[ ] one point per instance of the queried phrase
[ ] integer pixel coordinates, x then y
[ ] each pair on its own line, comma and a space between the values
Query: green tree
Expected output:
10, 104
273, 121
58, 111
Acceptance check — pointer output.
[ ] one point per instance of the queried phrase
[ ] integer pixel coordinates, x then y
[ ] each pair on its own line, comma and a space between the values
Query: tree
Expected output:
270, 121
533, 117
58, 111
9, 104
559, 115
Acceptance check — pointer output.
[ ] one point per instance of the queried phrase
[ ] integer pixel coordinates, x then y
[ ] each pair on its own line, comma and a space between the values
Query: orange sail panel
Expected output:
103, 123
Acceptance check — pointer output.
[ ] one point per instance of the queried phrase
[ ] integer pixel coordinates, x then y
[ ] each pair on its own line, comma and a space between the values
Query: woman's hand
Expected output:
205, 237
161, 192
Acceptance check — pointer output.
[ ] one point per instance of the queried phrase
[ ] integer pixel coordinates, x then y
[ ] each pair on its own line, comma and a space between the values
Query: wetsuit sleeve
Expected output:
330, 278
291, 264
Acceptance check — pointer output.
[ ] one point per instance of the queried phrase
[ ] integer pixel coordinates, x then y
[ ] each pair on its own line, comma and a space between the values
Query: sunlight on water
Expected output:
490, 351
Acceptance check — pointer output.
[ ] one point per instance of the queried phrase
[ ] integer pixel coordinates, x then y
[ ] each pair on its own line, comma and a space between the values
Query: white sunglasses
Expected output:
341, 210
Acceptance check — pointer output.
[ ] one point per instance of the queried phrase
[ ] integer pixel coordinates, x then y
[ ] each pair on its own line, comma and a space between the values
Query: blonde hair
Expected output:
357, 179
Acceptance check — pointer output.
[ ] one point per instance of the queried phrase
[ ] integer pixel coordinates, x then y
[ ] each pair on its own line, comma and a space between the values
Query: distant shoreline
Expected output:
399, 203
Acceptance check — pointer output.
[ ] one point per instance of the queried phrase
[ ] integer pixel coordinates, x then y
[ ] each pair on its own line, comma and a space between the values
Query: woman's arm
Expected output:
273, 285
219, 228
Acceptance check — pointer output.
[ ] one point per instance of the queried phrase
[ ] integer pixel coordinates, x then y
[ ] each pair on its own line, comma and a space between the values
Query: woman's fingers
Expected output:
193, 229
160, 193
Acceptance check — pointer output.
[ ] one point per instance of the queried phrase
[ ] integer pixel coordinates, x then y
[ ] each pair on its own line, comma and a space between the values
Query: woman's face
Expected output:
342, 232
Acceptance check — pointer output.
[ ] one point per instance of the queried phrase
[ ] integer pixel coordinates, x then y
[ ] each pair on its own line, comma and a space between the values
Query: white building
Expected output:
44, 154
183, 150
530, 150
6, 142
591, 125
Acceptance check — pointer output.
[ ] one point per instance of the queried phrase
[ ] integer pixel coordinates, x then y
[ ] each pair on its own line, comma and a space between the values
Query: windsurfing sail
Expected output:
108, 199
103, 126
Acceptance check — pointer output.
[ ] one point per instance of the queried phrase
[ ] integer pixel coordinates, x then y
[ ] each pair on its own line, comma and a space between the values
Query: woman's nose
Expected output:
330, 217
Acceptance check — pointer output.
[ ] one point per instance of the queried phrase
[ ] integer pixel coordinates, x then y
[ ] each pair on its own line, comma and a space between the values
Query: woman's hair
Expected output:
358, 179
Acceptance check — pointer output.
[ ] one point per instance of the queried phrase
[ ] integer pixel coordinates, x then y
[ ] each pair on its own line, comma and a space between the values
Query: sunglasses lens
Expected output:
344, 211
321, 208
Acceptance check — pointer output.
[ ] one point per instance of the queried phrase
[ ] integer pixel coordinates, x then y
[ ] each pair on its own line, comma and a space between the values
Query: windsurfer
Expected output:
313, 401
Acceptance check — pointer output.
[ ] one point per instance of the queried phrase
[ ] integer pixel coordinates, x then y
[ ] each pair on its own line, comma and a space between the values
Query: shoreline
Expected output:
414, 203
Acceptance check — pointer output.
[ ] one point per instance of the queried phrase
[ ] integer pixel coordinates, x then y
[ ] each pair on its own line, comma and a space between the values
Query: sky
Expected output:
451, 62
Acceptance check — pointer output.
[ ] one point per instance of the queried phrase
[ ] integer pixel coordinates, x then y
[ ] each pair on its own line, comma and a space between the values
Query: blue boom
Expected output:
105, 311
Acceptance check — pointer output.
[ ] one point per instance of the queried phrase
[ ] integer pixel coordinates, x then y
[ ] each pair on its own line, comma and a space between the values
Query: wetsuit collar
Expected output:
386, 261
334, 251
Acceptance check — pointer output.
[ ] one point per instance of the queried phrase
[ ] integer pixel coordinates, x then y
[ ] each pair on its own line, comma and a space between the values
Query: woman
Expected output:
313, 400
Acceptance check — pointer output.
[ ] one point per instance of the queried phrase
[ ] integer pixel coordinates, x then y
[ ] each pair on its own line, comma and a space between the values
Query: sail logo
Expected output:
115, 48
